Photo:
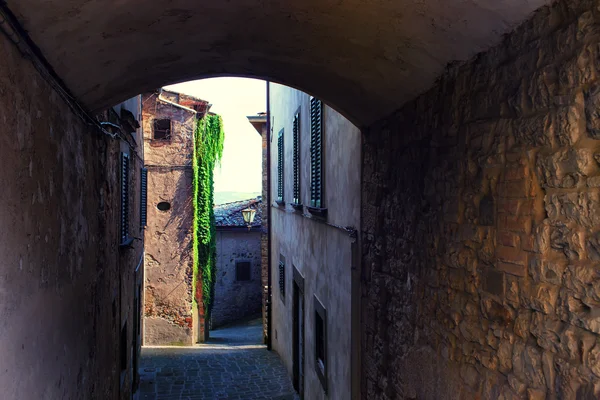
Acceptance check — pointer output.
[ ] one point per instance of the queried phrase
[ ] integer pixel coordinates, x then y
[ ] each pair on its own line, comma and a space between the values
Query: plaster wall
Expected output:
367, 60
234, 299
321, 254
481, 224
168, 306
66, 287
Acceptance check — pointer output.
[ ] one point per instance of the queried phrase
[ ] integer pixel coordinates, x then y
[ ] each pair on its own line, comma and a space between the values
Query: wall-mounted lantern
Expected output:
248, 215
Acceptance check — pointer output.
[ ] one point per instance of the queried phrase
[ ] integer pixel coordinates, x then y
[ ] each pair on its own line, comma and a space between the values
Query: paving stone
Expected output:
233, 365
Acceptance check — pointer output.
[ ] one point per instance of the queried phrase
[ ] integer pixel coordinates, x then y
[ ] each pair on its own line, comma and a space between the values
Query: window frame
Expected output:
125, 218
168, 132
320, 313
280, 167
296, 127
237, 274
282, 277
317, 204
143, 198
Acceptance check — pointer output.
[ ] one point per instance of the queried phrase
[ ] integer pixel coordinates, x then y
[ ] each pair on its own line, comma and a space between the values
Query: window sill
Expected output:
127, 244
280, 203
317, 212
297, 206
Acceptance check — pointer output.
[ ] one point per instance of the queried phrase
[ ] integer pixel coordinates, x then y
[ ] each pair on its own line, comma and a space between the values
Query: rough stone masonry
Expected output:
481, 216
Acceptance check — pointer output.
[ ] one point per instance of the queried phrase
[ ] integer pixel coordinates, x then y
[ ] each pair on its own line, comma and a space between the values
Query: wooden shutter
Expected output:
296, 126
282, 278
124, 197
280, 166
144, 198
316, 150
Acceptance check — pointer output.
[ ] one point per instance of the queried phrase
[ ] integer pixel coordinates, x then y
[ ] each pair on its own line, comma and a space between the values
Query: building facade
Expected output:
169, 120
315, 182
259, 122
238, 285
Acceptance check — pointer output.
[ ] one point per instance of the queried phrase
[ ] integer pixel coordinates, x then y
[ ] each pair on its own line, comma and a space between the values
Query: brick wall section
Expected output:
481, 216
264, 237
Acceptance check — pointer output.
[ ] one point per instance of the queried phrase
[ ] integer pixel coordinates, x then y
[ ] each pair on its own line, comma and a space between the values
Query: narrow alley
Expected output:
231, 365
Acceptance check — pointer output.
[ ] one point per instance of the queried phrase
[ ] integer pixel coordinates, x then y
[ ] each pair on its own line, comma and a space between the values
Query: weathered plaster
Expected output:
366, 59
66, 287
168, 308
321, 253
234, 299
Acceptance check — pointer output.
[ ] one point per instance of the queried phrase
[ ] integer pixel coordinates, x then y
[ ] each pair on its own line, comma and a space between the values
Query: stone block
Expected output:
515, 207
512, 255
549, 271
523, 323
564, 168
568, 241
508, 239
592, 111
513, 269
519, 224
541, 297
514, 189
568, 124
582, 208
493, 281
535, 131
512, 290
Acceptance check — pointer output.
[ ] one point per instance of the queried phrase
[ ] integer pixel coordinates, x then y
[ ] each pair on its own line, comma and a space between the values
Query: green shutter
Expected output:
297, 158
144, 198
316, 153
124, 228
280, 166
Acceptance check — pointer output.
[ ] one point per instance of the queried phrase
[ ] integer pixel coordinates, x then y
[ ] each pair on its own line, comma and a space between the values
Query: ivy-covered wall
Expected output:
208, 149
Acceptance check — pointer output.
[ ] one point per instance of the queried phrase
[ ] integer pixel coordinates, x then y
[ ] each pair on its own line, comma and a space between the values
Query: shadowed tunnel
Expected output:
480, 237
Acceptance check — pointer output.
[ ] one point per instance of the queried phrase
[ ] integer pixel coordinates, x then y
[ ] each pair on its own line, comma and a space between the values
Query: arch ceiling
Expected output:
365, 57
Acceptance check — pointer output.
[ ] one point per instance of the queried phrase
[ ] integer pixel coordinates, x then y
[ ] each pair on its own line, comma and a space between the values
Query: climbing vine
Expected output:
208, 149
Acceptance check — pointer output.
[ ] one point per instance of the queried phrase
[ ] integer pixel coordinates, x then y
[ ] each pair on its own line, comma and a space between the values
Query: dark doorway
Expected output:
298, 334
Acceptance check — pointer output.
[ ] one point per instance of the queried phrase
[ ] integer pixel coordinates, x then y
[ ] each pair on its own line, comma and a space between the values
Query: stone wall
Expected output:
168, 308
66, 286
235, 299
481, 224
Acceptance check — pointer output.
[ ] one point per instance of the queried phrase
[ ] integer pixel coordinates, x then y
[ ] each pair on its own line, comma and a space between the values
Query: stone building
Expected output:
315, 169
238, 286
169, 120
259, 122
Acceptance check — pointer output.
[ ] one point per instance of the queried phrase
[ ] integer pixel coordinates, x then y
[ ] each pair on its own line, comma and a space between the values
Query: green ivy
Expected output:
208, 149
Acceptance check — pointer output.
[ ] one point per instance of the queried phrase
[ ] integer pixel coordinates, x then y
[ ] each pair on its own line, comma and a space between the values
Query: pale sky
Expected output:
234, 99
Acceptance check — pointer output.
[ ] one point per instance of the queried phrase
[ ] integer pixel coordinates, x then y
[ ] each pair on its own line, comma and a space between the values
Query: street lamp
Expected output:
248, 215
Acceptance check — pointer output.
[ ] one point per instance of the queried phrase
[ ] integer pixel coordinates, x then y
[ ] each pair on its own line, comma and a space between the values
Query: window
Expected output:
164, 206
282, 276
321, 342
144, 198
124, 198
296, 161
316, 150
162, 129
280, 166
242, 271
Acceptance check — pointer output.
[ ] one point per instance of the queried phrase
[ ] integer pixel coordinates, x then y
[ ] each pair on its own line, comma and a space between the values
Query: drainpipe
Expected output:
269, 220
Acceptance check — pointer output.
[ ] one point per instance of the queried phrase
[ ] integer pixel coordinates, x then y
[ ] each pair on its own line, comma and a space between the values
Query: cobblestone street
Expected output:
233, 365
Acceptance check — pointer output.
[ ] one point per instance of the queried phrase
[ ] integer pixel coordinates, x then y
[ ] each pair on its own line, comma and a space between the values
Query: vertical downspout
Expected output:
269, 220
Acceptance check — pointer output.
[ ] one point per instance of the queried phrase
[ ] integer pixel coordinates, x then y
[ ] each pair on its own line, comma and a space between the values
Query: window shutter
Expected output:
124, 197
316, 150
297, 158
144, 198
282, 278
280, 166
